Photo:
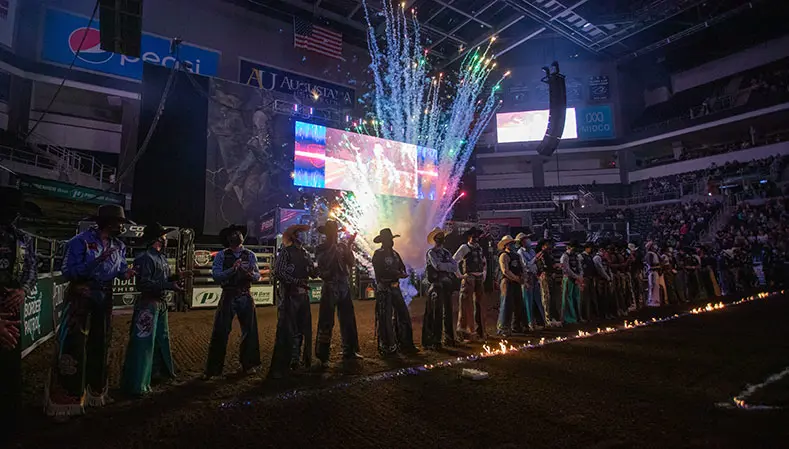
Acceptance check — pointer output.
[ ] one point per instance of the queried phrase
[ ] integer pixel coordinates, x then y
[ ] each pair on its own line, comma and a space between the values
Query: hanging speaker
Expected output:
557, 113
120, 26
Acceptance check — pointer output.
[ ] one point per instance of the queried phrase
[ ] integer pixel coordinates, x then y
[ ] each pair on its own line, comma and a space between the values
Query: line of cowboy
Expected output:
294, 267
598, 281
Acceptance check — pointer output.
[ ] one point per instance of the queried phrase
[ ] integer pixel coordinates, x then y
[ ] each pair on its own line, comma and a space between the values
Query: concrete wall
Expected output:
702, 163
756, 56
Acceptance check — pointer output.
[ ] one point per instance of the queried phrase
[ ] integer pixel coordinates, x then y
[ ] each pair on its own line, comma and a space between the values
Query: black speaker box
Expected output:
557, 92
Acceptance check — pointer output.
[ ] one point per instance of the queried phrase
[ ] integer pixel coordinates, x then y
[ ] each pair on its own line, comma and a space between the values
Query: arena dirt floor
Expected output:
655, 386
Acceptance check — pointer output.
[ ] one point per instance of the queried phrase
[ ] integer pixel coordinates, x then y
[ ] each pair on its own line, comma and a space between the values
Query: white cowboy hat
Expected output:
506, 240
632, 246
431, 237
522, 236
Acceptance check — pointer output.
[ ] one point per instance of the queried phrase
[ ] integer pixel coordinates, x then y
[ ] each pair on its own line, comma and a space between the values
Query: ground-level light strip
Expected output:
504, 348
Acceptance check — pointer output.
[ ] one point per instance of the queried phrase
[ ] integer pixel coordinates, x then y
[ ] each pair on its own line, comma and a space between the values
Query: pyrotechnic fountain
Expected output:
412, 105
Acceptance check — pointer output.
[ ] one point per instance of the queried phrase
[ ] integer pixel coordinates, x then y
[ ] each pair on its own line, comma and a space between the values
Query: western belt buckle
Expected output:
395, 285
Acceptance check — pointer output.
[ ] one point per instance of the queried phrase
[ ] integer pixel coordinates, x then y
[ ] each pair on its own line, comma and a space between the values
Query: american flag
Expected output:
317, 38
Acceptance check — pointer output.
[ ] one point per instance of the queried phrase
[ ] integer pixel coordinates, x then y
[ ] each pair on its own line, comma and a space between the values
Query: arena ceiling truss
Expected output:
615, 29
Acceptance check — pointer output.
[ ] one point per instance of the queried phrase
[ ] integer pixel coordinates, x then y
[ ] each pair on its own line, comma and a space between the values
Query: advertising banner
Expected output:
7, 16
315, 292
41, 312
208, 296
57, 189
599, 89
595, 122
66, 33
309, 90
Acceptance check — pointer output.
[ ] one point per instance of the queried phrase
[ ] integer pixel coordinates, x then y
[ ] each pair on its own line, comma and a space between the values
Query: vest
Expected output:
545, 264
472, 262
301, 263
235, 282
587, 263
604, 264
516, 266
12, 256
572, 258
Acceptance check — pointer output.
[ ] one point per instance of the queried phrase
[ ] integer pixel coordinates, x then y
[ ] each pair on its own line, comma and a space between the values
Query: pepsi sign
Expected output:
66, 33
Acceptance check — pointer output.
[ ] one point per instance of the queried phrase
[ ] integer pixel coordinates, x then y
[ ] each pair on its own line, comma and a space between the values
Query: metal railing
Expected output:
73, 161
27, 157
644, 198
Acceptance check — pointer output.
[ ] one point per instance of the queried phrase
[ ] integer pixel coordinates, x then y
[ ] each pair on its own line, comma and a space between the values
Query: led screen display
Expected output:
329, 158
530, 126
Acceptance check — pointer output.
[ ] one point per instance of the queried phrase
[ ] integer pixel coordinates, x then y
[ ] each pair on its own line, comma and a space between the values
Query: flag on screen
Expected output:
317, 38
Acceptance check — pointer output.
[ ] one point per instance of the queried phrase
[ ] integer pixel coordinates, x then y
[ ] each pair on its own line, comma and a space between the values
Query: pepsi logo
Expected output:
87, 42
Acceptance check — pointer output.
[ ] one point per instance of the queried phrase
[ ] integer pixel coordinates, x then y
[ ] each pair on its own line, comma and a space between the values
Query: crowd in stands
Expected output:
759, 87
680, 223
754, 140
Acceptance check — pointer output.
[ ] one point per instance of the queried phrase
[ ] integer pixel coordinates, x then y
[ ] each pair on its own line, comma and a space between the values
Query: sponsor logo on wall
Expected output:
308, 90
595, 122
203, 297
66, 33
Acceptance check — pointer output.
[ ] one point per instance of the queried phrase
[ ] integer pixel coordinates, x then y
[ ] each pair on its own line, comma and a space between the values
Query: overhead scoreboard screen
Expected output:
530, 126
329, 158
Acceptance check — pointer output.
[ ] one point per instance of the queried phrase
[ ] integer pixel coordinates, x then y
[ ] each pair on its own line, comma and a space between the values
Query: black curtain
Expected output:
169, 178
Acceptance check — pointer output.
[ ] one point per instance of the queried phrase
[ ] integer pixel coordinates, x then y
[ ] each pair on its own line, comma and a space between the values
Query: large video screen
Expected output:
530, 126
329, 158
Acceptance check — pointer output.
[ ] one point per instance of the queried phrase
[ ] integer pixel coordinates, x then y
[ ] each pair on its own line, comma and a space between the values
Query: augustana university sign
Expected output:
309, 90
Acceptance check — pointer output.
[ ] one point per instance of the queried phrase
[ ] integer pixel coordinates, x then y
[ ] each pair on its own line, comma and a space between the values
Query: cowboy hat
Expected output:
384, 235
589, 245
632, 246
292, 230
572, 244
224, 234
154, 231
523, 235
544, 242
110, 212
506, 240
330, 226
475, 231
431, 237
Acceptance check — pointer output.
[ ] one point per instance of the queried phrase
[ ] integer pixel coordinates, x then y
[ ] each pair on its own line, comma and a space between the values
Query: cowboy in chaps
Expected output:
473, 272
234, 268
572, 283
148, 354
17, 280
392, 320
335, 260
93, 259
532, 300
293, 269
440, 273
589, 293
512, 276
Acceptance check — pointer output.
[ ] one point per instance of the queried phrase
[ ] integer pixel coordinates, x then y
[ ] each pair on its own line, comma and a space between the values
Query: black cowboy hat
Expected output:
154, 231
572, 244
543, 242
110, 212
224, 234
330, 226
384, 235
292, 230
590, 245
475, 231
